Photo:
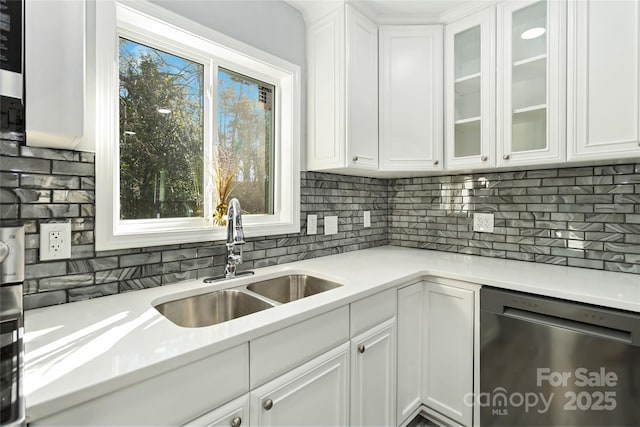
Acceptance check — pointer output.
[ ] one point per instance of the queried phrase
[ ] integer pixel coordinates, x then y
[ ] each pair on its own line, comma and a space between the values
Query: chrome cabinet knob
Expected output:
361, 348
268, 404
236, 422
435, 162
483, 158
355, 158
506, 157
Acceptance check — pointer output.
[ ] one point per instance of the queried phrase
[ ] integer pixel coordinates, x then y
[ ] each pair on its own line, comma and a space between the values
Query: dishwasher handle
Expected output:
618, 325
581, 327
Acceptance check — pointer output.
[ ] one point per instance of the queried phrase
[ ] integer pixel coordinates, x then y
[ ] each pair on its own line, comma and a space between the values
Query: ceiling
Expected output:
405, 11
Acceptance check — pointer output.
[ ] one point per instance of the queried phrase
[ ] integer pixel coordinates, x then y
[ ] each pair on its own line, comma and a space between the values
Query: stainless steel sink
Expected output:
292, 287
211, 308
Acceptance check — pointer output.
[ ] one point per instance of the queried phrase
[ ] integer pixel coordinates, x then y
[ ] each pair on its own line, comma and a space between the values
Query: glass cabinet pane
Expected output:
467, 100
529, 78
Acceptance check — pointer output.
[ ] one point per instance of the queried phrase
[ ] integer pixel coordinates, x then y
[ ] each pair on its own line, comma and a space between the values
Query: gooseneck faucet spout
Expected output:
235, 238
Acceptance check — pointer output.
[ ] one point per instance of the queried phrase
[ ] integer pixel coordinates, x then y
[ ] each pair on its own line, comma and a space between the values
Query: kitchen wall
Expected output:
38, 185
580, 217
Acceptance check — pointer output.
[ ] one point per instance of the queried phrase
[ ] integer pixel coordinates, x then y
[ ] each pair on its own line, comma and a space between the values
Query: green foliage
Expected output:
160, 154
245, 137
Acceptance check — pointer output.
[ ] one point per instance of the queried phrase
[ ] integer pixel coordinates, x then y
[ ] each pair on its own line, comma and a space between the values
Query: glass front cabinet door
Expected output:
470, 91
531, 82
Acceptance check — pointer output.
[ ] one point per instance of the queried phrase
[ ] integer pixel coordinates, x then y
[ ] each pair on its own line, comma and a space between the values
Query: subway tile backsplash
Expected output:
580, 217
41, 184
584, 217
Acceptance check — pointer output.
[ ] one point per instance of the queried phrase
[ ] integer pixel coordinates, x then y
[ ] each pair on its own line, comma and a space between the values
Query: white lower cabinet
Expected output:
373, 376
437, 330
377, 361
448, 350
410, 357
315, 393
233, 414
169, 399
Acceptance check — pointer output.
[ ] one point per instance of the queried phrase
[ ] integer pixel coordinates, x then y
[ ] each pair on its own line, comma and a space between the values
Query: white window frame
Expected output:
145, 22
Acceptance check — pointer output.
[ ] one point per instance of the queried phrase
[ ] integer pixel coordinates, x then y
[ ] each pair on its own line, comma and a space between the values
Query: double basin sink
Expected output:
226, 304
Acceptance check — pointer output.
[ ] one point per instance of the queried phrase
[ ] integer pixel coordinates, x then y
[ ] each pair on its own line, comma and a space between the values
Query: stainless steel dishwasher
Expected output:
551, 362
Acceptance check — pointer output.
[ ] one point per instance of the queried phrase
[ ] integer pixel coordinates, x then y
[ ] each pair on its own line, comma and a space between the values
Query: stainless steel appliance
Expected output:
12, 406
550, 362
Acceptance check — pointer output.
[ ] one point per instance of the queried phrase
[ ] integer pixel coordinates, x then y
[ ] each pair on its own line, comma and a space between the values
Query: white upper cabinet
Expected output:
531, 82
603, 111
54, 72
411, 98
470, 93
342, 49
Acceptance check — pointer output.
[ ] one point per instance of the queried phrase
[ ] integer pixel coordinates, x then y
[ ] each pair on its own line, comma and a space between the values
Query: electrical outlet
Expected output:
330, 225
55, 240
483, 222
312, 224
367, 218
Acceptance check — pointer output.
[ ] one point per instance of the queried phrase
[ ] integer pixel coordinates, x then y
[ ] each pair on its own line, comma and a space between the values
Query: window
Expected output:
161, 131
244, 147
186, 119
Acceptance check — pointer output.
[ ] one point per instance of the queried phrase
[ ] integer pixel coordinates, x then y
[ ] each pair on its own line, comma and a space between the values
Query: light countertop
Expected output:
79, 351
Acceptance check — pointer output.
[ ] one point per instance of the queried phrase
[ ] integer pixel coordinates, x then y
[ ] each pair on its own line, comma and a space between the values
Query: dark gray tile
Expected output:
24, 164
49, 181
9, 179
89, 292
73, 196
73, 168
48, 153
613, 170
44, 299
49, 211
91, 265
66, 282
46, 269
622, 267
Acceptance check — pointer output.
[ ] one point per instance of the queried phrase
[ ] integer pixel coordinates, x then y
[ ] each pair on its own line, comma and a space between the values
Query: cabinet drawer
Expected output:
371, 311
276, 353
172, 398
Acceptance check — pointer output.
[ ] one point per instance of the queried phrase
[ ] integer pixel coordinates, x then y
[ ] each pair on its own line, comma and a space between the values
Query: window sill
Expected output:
134, 234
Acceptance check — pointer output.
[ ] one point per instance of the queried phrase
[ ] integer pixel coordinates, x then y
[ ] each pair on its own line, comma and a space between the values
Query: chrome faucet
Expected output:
235, 238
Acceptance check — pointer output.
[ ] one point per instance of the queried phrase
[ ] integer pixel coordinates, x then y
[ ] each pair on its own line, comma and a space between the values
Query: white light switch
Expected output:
367, 218
55, 240
312, 224
330, 225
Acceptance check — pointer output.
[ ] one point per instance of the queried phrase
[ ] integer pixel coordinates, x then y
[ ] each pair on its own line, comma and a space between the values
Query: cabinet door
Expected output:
448, 349
411, 96
233, 414
312, 394
470, 91
54, 72
603, 110
361, 91
531, 82
325, 92
373, 376
410, 346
